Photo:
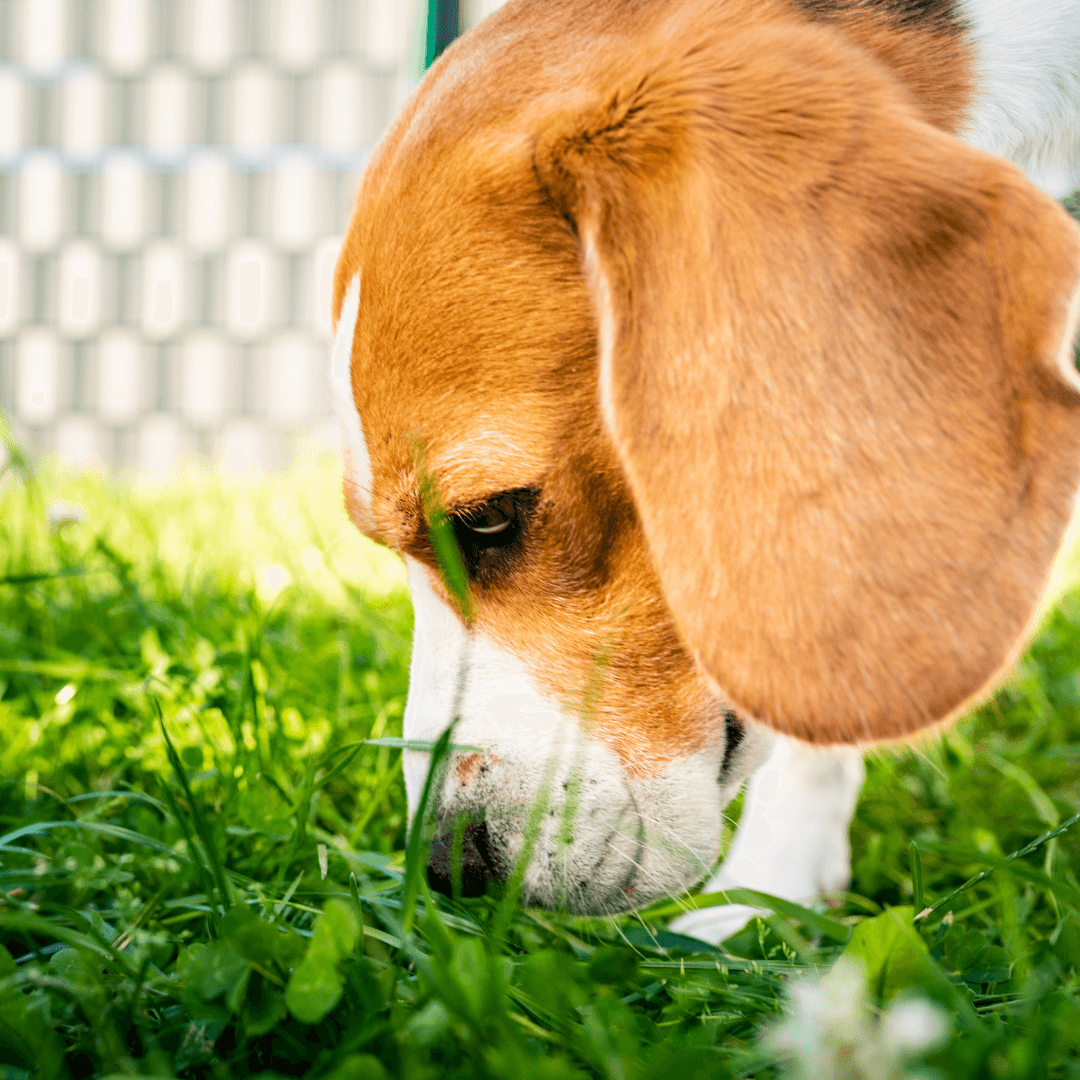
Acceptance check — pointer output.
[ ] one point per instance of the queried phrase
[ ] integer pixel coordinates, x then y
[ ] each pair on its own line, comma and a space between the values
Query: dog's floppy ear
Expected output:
834, 362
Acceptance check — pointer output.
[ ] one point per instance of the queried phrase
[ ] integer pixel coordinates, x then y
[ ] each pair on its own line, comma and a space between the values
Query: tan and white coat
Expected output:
775, 372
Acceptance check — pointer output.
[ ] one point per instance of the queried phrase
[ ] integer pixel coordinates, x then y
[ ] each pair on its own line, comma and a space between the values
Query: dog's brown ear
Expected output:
834, 361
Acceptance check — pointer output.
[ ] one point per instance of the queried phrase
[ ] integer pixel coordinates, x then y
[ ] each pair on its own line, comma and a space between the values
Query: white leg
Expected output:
792, 839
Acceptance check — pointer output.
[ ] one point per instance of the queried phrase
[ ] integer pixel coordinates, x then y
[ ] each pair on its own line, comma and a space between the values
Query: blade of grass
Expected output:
102, 827
44, 575
414, 846
816, 923
74, 671
217, 872
374, 801
76, 939
134, 796
456, 580
972, 881
515, 882
1060, 889
441, 531
916, 874
283, 903
423, 745
354, 891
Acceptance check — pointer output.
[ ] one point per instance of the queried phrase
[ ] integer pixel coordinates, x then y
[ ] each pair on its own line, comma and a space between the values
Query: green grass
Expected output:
160, 898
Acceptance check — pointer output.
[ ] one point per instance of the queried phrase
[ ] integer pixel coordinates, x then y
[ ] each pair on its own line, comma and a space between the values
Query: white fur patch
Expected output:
600, 289
1027, 86
357, 459
1066, 366
601, 840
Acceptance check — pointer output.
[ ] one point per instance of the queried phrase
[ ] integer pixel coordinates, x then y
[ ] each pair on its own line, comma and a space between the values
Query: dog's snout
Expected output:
478, 867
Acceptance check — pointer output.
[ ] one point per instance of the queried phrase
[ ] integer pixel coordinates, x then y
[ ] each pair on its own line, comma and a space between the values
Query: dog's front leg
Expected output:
792, 839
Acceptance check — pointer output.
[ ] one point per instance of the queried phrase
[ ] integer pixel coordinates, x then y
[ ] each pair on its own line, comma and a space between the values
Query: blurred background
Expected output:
175, 176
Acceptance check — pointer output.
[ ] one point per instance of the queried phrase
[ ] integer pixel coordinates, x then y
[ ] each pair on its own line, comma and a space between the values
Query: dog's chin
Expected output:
588, 862
628, 875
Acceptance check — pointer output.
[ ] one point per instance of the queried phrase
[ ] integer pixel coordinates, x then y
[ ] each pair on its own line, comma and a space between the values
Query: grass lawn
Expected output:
236, 899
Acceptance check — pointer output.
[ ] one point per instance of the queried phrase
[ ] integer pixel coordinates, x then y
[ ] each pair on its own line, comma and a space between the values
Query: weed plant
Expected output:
206, 869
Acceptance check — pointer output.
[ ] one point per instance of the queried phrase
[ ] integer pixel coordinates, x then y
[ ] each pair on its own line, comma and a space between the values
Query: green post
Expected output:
443, 25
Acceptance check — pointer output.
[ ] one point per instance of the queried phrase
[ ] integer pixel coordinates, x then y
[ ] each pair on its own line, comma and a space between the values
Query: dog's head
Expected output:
747, 391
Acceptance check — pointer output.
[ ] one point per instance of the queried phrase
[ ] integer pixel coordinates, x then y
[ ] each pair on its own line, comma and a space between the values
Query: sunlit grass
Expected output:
157, 905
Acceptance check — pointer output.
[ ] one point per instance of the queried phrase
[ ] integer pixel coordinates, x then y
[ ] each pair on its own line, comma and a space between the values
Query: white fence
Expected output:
174, 178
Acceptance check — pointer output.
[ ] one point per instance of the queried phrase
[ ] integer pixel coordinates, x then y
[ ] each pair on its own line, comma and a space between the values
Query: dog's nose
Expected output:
477, 865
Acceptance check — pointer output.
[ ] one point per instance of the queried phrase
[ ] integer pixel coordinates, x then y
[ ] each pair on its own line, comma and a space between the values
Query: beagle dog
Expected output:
742, 367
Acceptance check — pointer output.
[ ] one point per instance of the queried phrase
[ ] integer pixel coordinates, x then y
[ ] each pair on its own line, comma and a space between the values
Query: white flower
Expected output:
831, 1033
914, 1025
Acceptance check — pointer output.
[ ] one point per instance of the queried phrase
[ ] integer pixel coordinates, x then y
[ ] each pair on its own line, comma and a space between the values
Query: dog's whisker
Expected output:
640, 845
660, 825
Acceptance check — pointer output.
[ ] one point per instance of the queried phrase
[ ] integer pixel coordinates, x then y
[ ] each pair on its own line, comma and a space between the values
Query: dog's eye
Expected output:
491, 534
490, 519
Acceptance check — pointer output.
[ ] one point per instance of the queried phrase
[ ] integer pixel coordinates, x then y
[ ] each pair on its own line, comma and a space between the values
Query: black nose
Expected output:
477, 865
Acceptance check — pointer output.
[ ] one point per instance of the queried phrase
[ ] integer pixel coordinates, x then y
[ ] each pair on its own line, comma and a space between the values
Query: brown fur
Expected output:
920, 42
840, 457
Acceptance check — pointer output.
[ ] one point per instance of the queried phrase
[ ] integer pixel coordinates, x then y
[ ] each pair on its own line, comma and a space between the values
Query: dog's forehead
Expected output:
473, 335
